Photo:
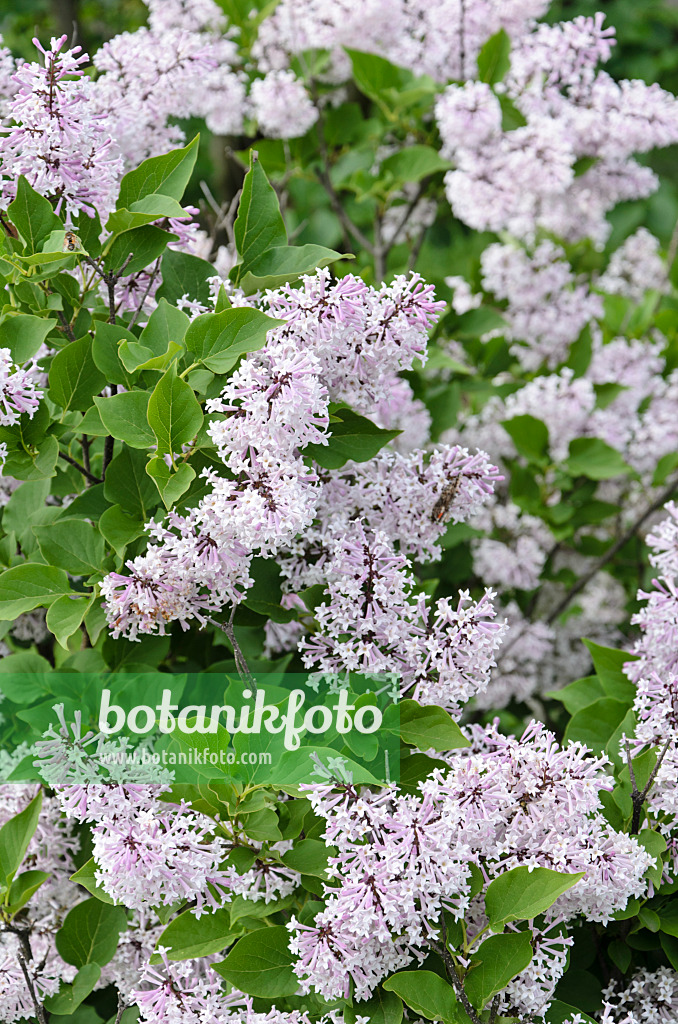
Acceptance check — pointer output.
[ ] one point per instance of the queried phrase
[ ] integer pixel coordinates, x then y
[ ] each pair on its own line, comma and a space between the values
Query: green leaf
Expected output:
105, 352
144, 245
188, 937
308, 857
145, 211
73, 545
382, 1008
15, 835
286, 263
84, 876
183, 274
23, 887
609, 665
529, 435
494, 963
427, 726
579, 694
174, 413
119, 529
74, 377
135, 356
28, 586
655, 844
522, 894
594, 459
260, 964
219, 339
493, 59
166, 324
171, 483
90, 932
125, 417
32, 215
70, 995
595, 724
559, 1012
167, 175
127, 484
427, 994
377, 78
353, 438
64, 617
414, 163
259, 225
23, 335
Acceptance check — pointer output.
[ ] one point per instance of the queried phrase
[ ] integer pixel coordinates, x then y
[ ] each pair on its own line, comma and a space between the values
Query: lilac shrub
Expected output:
400, 407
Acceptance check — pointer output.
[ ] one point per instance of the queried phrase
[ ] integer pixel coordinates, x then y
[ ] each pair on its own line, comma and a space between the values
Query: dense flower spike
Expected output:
57, 139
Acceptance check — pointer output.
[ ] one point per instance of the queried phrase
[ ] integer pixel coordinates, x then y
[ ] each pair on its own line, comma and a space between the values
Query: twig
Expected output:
456, 980
24, 955
326, 182
81, 469
416, 248
151, 279
494, 1009
65, 326
612, 551
122, 1006
108, 455
110, 279
378, 251
240, 661
637, 797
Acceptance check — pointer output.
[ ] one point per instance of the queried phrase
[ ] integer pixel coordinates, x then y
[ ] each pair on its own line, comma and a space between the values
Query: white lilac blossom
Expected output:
513, 553
180, 66
57, 138
441, 40
373, 623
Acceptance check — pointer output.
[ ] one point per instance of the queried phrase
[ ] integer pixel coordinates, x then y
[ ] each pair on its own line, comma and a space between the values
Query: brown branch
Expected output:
240, 660
457, 983
612, 551
81, 469
24, 956
638, 797
65, 326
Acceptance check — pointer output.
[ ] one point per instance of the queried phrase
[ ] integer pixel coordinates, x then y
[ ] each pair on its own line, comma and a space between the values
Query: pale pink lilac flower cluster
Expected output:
526, 179
18, 391
503, 803
57, 137
179, 66
547, 308
650, 997
52, 849
635, 268
441, 40
340, 341
372, 622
